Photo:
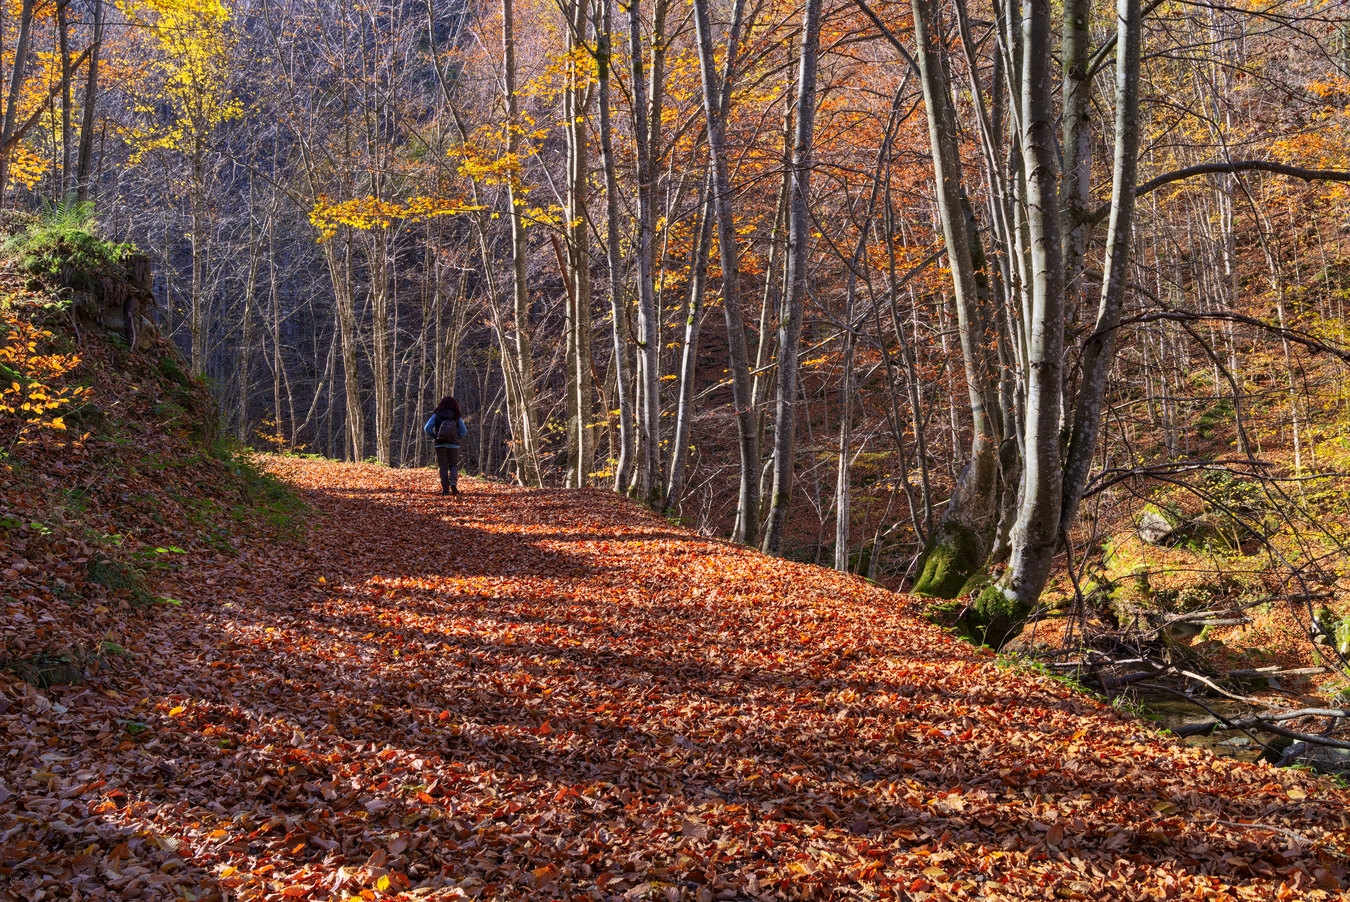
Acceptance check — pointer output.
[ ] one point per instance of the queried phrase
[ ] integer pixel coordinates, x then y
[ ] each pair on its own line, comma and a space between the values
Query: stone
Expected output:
120, 300
1154, 527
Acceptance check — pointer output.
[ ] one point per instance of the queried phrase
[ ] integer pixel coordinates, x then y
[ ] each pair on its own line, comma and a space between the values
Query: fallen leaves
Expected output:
555, 694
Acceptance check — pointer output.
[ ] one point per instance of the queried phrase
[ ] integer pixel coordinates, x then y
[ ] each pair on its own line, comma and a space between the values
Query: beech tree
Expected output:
1013, 507
716, 102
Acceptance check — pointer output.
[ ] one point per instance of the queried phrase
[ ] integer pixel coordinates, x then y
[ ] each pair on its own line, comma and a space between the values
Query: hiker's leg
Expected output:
453, 457
443, 461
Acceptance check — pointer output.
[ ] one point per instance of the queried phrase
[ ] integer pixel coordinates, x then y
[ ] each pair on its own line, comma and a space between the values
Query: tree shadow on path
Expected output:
466, 692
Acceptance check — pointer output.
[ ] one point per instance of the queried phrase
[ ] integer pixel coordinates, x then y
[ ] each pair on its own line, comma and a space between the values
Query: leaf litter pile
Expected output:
555, 695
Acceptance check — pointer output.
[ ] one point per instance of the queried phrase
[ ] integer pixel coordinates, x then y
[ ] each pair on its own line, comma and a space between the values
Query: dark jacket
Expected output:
434, 425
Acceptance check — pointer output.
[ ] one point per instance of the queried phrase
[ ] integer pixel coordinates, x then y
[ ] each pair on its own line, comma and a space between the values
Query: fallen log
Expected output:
1266, 723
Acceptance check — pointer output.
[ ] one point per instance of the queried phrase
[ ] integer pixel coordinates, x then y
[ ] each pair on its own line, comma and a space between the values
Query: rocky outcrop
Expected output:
118, 299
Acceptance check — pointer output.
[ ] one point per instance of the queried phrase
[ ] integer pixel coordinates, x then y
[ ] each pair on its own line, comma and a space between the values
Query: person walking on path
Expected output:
446, 427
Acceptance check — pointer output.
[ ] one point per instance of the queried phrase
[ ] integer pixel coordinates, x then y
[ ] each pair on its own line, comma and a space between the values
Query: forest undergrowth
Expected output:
275, 678
1217, 584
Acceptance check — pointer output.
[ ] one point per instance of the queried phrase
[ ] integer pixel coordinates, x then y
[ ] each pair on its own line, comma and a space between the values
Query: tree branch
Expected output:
1233, 167
888, 35
1296, 336
22, 130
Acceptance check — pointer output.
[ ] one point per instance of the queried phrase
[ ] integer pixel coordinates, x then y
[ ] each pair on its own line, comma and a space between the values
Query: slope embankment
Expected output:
553, 694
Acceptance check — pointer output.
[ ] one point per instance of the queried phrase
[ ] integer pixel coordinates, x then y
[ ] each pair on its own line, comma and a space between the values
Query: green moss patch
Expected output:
948, 564
994, 618
61, 248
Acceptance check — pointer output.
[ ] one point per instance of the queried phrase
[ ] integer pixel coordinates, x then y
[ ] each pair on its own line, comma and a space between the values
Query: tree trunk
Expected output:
799, 248
16, 79
648, 473
1035, 533
959, 545
382, 356
516, 357
1075, 192
580, 388
278, 363
255, 249
168, 318
245, 361
339, 271
623, 463
435, 312
698, 268
85, 160
715, 99
458, 308
197, 325
842, 490
63, 38
1099, 350
527, 439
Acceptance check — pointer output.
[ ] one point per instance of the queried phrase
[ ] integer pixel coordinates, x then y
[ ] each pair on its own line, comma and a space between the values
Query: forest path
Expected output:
554, 694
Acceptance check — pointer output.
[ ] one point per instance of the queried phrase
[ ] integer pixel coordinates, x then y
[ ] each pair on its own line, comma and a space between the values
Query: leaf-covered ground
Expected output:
554, 695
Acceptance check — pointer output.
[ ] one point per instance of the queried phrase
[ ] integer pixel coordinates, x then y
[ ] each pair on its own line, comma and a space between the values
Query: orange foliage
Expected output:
32, 395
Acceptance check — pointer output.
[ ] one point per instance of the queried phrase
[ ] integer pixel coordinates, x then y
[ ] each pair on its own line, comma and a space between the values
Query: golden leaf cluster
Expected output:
30, 404
374, 213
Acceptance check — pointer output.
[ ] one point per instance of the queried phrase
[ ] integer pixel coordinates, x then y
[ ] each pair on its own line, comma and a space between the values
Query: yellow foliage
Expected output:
29, 376
373, 213
189, 75
1325, 142
27, 167
550, 216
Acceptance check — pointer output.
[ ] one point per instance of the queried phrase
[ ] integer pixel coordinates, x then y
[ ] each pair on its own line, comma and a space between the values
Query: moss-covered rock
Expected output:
171, 370
60, 248
1157, 526
1334, 630
107, 286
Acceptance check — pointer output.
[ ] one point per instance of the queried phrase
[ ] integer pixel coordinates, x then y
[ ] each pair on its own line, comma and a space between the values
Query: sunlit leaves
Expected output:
190, 75
548, 694
33, 387
371, 212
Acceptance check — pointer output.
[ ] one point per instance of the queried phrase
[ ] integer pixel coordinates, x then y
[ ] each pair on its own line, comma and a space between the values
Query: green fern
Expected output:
61, 242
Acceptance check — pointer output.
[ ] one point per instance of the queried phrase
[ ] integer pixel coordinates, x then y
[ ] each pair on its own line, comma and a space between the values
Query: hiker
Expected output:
446, 428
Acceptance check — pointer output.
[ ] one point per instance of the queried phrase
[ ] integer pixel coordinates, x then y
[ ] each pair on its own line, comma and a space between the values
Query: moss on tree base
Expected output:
994, 618
948, 563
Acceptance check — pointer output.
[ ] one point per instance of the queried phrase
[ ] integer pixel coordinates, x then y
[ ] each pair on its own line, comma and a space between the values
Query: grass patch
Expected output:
171, 370
118, 577
47, 669
60, 246
265, 495
259, 498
